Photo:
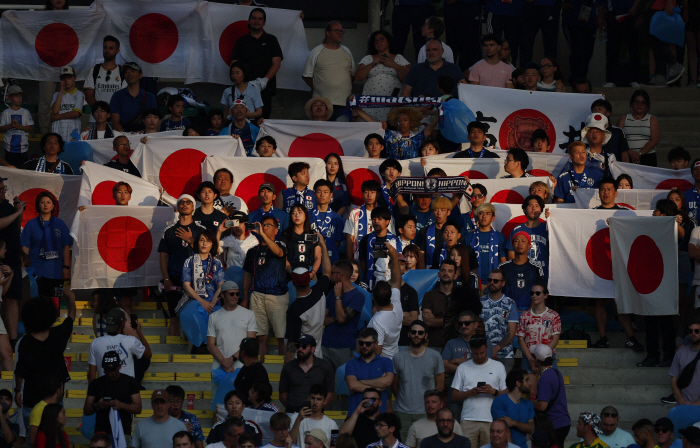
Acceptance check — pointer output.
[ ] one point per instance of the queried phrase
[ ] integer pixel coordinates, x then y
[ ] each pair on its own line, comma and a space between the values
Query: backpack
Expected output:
96, 73
576, 334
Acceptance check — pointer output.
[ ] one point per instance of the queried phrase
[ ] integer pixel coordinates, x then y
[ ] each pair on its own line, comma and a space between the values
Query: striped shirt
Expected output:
638, 132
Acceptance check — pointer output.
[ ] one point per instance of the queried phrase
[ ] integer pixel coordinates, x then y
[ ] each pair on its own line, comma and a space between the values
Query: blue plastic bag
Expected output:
422, 280
194, 321
87, 426
453, 123
669, 29
33, 285
74, 153
224, 381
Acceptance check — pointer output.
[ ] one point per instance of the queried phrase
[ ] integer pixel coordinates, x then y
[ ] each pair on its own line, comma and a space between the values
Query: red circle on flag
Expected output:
153, 38
124, 243
315, 145
247, 189
680, 184
645, 265
507, 197
513, 223
57, 44
29, 196
181, 173
622, 204
229, 37
598, 254
518, 127
102, 193
472, 174
539, 173
355, 179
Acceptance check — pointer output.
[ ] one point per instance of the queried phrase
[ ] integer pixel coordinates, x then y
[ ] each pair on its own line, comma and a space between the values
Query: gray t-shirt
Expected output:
682, 358
149, 434
416, 375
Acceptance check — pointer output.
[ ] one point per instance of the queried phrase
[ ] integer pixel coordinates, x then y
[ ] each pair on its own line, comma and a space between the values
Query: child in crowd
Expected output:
429, 148
266, 146
326, 221
359, 222
176, 106
67, 105
406, 229
216, 120
16, 122
151, 121
191, 131
299, 191
101, 128
618, 142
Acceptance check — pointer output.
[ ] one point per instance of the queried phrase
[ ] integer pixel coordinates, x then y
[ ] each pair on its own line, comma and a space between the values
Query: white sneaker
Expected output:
675, 72
658, 81
609, 84
635, 85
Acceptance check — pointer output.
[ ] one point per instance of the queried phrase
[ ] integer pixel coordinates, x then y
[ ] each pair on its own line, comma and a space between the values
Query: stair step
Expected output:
615, 394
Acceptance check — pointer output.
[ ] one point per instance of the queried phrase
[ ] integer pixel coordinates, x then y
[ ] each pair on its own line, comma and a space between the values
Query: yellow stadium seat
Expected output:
83, 305
153, 322
85, 321
567, 362
275, 395
274, 377
73, 356
206, 431
78, 376
193, 358
76, 393
145, 413
82, 338
175, 340
7, 374
71, 430
74, 413
153, 339
573, 344
84, 357
566, 380
160, 358
193, 376
274, 359
206, 395
145, 306
159, 376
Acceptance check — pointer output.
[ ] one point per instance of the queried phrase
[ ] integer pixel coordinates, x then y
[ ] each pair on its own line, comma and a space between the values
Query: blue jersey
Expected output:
539, 245
259, 214
337, 335
424, 218
485, 255
291, 196
341, 195
496, 316
267, 269
46, 256
522, 412
692, 202
330, 225
567, 180
519, 281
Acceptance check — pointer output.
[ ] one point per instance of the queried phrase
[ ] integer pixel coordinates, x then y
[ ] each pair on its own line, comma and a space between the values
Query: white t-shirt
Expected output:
447, 55
269, 445
71, 101
618, 439
230, 200
695, 240
353, 226
237, 249
16, 140
230, 328
312, 323
467, 376
104, 89
326, 424
388, 326
128, 347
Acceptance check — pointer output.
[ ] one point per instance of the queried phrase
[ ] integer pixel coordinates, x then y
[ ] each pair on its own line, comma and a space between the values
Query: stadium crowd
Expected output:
437, 371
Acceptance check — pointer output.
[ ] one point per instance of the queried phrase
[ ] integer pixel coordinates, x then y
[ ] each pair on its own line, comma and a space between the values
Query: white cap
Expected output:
598, 121
541, 352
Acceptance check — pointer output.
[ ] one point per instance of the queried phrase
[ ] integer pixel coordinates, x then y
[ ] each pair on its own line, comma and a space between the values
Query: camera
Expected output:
250, 226
231, 223
311, 238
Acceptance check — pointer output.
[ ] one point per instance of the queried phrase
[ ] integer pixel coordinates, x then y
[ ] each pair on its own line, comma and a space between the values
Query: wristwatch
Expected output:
495, 393
66, 267
338, 298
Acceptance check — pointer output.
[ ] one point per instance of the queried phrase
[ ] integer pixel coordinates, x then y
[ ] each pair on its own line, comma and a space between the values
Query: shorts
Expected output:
3, 330
270, 310
14, 290
173, 297
48, 285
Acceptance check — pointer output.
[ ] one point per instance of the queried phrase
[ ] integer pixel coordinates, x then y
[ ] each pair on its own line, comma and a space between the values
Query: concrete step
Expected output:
656, 95
603, 357
616, 375
180, 367
679, 108
616, 394
676, 124
629, 413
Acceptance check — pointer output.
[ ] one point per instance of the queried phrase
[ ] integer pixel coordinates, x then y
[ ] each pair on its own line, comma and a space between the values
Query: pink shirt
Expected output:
490, 75
539, 328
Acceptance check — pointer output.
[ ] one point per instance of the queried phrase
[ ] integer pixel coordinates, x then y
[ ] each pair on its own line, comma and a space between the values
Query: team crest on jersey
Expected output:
261, 261
302, 248
57, 232
590, 181
521, 283
547, 323
504, 313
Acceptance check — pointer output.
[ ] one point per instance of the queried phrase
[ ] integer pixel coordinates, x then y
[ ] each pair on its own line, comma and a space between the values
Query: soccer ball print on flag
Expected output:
579, 251
117, 246
297, 138
174, 163
249, 173
26, 185
36, 44
512, 115
645, 264
98, 181
651, 177
632, 199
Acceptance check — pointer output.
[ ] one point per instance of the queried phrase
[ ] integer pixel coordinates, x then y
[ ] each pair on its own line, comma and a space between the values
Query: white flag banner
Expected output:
230, 22
36, 44
98, 181
579, 251
644, 253
166, 39
651, 177
117, 246
358, 170
103, 149
28, 184
299, 138
174, 163
512, 115
632, 199
508, 216
249, 173
510, 191
475, 169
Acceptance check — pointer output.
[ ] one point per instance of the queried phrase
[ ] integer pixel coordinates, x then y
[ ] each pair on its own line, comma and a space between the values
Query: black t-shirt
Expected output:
210, 221
434, 442
300, 252
217, 432
129, 168
14, 427
37, 360
464, 154
364, 432
409, 302
121, 389
302, 305
258, 54
31, 165
178, 250
249, 375
614, 207
11, 233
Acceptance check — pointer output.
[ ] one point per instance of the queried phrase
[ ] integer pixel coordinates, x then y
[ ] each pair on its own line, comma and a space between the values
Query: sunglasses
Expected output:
465, 323
301, 346
109, 73
418, 332
662, 430
693, 330
479, 196
365, 343
609, 414
536, 293
233, 293
494, 280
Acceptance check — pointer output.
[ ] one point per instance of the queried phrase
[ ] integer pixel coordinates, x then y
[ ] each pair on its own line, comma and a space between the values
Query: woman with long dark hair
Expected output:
303, 248
50, 433
336, 174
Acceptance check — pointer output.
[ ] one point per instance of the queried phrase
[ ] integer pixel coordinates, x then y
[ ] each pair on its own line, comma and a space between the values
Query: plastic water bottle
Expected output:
604, 34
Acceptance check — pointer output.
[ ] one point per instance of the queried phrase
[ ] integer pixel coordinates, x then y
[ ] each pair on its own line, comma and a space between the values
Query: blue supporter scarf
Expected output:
370, 256
481, 153
322, 221
387, 197
362, 223
429, 245
493, 247
47, 251
41, 166
92, 133
371, 102
265, 214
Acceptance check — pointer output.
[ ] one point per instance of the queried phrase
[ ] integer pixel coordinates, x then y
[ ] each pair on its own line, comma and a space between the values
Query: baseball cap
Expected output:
132, 65
307, 339
664, 422
67, 70
541, 352
239, 215
266, 186
401, 257
301, 277
229, 285
114, 319
692, 433
160, 395
14, 89
319, 434
111, 360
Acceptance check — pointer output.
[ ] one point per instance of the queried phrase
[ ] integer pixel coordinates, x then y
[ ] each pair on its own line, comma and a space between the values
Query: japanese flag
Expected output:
28, 184
475, 169
650, 177
579, 251
98, 181
174, 163
644, 254
510, 191
117, 246
297, 138
36, 44
632, 199
249, 173
103, 149
508, 216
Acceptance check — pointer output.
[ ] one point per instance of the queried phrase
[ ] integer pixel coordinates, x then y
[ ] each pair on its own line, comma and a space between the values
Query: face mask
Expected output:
5, 407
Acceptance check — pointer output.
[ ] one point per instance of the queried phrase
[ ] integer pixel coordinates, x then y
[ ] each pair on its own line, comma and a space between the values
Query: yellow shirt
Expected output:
597, 443
37, 411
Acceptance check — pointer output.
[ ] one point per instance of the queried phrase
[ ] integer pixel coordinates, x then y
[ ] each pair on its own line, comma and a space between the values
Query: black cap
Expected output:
307, 339
692, 433
111, 360
202, 186
239, 215
664, 422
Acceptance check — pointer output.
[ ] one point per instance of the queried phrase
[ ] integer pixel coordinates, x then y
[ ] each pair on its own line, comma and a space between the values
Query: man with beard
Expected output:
500, 316
299, 374
369, 370
436, 303
361, 423
104, 79
415, 371
427, 426
517, 412
521, 273
456, 352
445, 437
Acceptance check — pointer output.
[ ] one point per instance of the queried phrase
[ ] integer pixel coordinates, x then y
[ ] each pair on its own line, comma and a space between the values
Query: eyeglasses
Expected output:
380, 425
269, 225
465, 323
301, 346
693, 330
418, 332
479, 196
662, 430
610, 414
546, 66
536, 293
338, 31
494, 280
365, 343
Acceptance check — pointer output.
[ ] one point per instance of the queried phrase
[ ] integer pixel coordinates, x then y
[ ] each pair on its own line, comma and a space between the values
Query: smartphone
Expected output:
107, 398
250, 226
396, 91
311, 238
231, 223
481, 384
134, 320
334, 436
379, 250
306, 404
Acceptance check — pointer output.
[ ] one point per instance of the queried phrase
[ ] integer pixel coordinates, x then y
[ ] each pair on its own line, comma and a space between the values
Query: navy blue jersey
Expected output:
267, 269
539, 245
519, 281
178, 250
291, 196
